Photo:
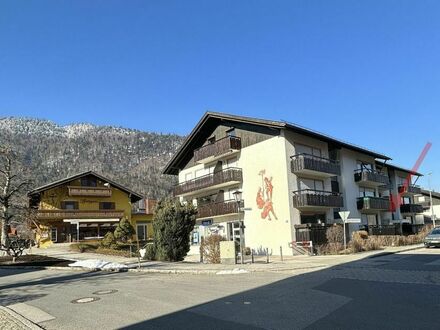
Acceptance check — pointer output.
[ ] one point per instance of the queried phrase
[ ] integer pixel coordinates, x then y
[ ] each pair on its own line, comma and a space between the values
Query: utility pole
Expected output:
430, 199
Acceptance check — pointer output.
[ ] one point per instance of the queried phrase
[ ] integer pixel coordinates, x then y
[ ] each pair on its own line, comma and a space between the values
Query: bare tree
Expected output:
14, 184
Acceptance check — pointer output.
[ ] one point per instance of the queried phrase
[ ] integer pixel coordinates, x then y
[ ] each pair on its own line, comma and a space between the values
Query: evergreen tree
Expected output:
173, 224
124, 231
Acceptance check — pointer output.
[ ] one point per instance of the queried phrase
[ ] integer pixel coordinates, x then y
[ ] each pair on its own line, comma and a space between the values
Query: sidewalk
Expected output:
191, 266
10, 320
290, 263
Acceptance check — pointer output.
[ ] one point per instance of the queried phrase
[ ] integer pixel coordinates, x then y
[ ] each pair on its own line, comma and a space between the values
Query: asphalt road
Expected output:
395, 291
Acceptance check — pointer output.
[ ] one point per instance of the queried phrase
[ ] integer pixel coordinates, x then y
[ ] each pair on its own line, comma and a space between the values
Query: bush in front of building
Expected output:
150, 252
210, 249
173, 223
124, 230
83, 247
109, 240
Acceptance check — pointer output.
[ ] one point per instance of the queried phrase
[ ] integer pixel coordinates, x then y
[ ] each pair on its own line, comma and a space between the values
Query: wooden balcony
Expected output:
316, 199
411, 208
89, 191
373, 204
208, 182
305, 164
371, 178
217, 149
409, 189
218, 209
79, 214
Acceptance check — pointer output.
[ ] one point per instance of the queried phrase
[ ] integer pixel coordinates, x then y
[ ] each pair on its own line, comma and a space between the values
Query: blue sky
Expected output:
364, 71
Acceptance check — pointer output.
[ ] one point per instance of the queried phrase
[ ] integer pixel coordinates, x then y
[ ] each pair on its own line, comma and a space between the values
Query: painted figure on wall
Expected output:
264, 197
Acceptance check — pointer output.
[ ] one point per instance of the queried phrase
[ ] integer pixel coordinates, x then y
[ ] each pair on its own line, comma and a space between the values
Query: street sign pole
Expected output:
344, 216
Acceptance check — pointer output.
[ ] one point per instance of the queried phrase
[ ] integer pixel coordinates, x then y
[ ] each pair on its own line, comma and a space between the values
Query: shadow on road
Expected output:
387, 292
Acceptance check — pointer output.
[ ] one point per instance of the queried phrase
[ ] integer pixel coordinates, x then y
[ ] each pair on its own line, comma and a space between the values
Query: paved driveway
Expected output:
395, 291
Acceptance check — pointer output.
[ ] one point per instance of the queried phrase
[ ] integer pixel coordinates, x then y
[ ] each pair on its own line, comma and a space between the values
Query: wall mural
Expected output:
264, 197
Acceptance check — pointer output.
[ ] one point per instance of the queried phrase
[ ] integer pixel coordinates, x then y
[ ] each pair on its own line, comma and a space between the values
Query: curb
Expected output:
24, 321
386, 253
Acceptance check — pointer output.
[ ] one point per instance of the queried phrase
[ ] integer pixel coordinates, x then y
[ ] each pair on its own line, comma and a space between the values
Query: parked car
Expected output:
433, 238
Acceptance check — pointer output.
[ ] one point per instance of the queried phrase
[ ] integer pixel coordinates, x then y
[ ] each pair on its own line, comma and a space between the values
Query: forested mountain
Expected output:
130, 157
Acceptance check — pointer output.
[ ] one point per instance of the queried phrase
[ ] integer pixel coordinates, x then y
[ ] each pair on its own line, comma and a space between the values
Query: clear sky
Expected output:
364, 71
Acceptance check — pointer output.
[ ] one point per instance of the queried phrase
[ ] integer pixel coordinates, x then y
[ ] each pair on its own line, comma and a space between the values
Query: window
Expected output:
369, 219
311, 184
367, 192
364, 166
142, 231
69, 205
303, 149
106, 205
405, 200
88, 181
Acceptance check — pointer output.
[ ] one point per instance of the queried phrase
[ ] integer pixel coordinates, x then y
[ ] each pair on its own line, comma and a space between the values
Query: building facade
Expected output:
262, 182
84, 206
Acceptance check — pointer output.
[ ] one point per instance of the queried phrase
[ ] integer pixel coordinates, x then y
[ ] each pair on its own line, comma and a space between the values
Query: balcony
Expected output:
305, 164
411, 208
89, 191
373, 204
409, 189
208, 182
218, 149
316, 199
79, 214
371, 178
218, 209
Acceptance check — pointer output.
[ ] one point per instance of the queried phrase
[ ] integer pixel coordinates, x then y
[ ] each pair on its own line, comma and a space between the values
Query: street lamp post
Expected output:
237, 196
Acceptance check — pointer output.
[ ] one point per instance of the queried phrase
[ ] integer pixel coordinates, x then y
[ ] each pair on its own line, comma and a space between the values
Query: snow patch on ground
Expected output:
98, 264
232, 272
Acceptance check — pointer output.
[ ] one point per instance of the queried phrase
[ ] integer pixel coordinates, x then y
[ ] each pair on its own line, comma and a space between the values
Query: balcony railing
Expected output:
371, 177
217, 148
301, 163
409, 189
316, 198
411, 208
78, 214
373, 204
89, 191
218, 208
231, 174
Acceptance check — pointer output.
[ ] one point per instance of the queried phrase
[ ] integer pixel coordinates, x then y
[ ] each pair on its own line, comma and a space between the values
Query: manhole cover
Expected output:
84, 300
102, 292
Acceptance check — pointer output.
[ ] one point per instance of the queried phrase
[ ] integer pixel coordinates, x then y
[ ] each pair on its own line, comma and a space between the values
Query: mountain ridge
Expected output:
129, 156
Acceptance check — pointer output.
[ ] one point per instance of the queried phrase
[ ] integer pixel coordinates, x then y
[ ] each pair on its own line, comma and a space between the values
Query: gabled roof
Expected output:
211, 120
133, 195
398, 168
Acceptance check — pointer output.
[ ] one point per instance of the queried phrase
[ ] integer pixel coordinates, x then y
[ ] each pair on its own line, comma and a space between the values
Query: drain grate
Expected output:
103, 292
85, 300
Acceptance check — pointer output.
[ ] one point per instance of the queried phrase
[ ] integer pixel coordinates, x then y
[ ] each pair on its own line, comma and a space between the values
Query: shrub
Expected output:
124, 231
210, 249
109, 240
173, 223
150, 252
335, 234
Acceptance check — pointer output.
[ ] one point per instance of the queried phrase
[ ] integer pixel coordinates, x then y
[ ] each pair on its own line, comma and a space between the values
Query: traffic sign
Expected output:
344, 215
353, 221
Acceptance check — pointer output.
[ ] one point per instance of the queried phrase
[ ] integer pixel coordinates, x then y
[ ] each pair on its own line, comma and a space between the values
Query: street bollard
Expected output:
252, 256
281, 253
267, 255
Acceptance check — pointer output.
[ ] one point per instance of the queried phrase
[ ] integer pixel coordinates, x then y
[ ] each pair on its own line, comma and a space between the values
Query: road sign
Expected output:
353, 221
344, 215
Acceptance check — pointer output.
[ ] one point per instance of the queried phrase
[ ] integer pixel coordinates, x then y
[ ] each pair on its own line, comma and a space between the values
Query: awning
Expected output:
74, 221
